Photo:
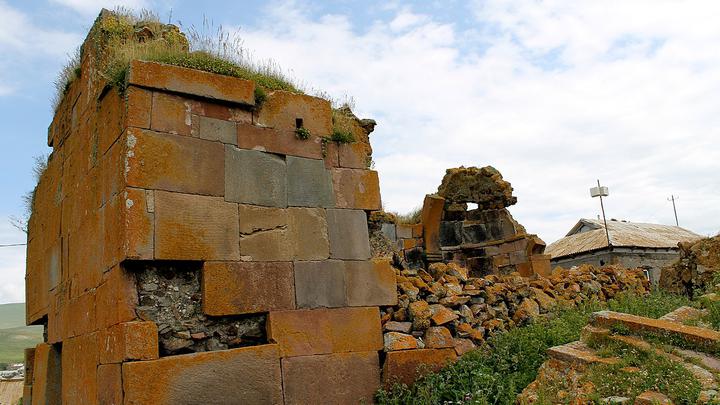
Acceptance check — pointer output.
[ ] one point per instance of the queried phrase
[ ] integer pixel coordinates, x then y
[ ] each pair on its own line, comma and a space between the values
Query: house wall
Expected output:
651, 260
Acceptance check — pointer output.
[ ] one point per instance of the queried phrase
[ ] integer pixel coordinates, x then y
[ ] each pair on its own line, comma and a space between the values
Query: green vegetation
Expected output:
497, 372
411, 218
14, 335
302, 133
648, 371
28, 198
654, 305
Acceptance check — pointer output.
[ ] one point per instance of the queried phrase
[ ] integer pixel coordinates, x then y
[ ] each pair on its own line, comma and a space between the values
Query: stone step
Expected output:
708, 362
704, 377
705, 338
578, 353
683, 314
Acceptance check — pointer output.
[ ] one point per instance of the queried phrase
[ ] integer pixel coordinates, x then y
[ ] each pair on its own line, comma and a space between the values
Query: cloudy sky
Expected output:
555, 94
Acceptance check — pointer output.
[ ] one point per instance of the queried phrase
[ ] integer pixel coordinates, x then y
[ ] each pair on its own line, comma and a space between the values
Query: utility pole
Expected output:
672, 198
602, 191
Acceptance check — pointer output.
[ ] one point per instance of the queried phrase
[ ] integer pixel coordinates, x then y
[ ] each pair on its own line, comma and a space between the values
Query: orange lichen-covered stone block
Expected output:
193, 227
370, 283
86, 259
280, 141
541, 264
171, 114
431, 216
700, 336
341, 378
288, 111
129, 341
174, 163
247, 287
406, 366
138, 106
139, 227
322, 331
116, 298
79, 369
191, 81
358, 189
109, 380
80, 317
47, 370
29, 357
354, 155
248, 375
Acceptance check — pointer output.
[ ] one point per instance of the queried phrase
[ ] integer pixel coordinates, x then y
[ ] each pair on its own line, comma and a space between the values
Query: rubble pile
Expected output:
695, 269
444, 307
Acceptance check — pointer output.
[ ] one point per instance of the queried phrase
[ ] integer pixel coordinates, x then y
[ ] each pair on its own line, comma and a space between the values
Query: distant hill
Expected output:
14, 335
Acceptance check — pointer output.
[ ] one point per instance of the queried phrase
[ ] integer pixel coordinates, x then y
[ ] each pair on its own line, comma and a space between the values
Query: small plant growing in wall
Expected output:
302, 133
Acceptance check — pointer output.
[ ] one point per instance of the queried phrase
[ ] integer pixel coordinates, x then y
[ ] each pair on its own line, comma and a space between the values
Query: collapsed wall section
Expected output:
187, 246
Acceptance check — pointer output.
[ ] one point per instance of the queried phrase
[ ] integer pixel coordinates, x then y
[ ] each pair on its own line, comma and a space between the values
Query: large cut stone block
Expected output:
80, 317
370, 283
248, 375
109, 380
253, 177
214, 129
323, 331
283, 109
320, 284
116, 298
193, 227
171, 114
129, 341
308, 233
191, 81
47, 385
174, 163
357, 189
309, 183
79, 369
342, 378
247, 287
405, 366
431, 216
356, 155
282, 142
348, 233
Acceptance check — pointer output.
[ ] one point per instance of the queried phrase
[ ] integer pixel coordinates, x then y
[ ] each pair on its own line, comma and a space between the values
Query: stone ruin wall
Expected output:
186, 247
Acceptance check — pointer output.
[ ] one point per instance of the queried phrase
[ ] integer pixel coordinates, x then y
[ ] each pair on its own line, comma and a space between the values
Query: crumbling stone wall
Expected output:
186, 246
695, 270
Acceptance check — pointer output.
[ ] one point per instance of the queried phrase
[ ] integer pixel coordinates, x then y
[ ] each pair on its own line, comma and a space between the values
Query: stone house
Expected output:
632, 244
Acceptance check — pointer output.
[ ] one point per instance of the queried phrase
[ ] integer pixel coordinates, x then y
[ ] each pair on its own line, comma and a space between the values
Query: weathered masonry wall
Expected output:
186, 247
651, 260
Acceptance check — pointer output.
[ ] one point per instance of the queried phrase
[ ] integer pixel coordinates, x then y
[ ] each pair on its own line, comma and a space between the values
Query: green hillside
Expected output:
14, 335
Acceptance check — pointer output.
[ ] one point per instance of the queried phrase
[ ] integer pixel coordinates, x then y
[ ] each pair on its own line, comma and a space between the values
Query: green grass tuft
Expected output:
302, 133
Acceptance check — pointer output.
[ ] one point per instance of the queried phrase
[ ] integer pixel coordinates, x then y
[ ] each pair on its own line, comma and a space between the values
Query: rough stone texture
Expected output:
171, 114
249, 374
170, 296
282, 142
281, 110
320, 284
348, 234
191, 81
109, 379
47, 384
356, 189
484, 186
129, 341
309, 183
79, 369
438, 337
695, 269
324, 331
406, 366
308, 231
431, 216
399, 341
246, 288
254, 177
370, 283
354, 378
355, 155
192, 227
214, 129
116, 298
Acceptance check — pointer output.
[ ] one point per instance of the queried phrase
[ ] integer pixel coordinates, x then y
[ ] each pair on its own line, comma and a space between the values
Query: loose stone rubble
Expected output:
170, 296
444, 307
695, 270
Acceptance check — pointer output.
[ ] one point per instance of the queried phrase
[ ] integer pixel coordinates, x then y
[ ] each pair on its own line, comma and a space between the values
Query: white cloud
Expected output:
19, 35
93, 7
561, 93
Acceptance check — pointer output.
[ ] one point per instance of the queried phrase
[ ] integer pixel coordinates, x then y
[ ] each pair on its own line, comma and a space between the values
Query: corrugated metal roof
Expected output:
622, 234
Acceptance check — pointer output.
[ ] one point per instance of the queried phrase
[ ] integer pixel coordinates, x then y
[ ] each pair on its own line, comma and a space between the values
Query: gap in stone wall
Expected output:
170, 294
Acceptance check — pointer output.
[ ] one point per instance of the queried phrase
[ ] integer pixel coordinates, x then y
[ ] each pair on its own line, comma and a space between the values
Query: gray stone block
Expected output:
348, 234
255, 177
389, 231
214, 129
309, 183
320, 284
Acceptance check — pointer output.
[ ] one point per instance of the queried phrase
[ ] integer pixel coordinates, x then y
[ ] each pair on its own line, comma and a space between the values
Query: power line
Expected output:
13, 244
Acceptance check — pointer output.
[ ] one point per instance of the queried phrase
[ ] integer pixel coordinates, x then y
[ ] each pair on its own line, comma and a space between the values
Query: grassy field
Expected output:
14, 335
